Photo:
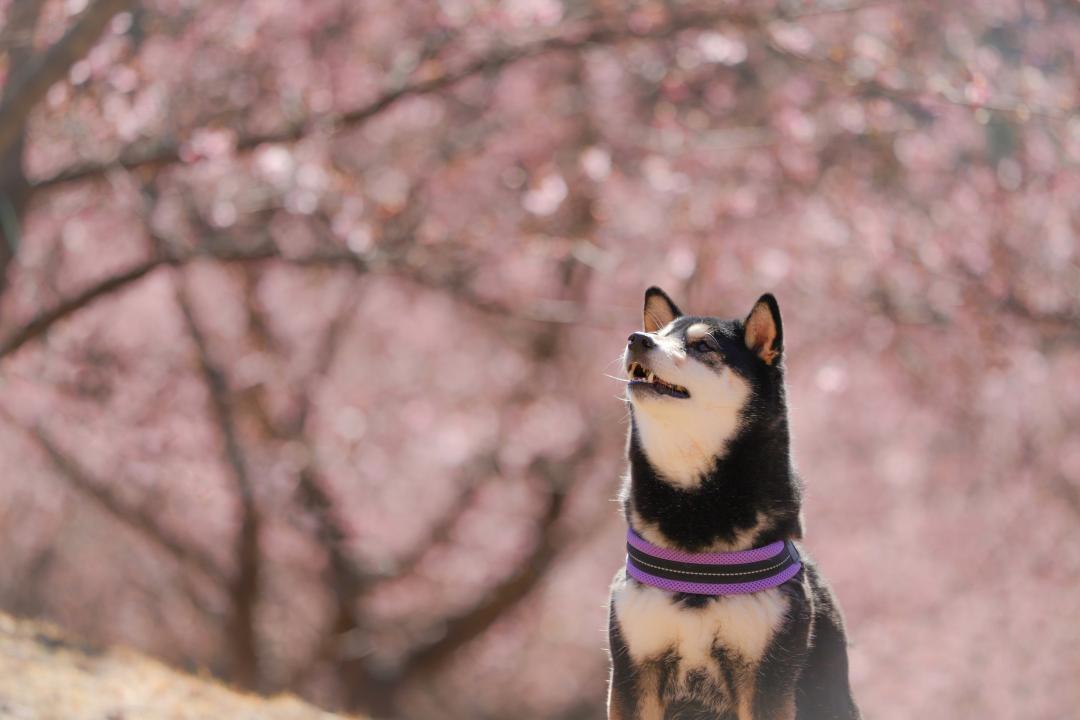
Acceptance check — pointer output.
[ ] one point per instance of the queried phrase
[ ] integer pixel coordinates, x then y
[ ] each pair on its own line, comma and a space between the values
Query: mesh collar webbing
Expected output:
725, 573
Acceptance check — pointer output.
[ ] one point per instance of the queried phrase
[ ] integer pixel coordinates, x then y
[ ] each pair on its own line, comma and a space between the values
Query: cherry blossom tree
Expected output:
309, 313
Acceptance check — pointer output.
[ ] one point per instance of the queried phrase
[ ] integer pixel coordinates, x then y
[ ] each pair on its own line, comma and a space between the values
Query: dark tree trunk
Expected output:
14, 195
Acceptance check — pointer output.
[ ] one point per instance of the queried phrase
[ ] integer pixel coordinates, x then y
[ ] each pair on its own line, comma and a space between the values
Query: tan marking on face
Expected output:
696, 332
682, 437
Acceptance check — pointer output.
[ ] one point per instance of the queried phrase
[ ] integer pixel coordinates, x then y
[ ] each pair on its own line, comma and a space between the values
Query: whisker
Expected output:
622, 380
617, 361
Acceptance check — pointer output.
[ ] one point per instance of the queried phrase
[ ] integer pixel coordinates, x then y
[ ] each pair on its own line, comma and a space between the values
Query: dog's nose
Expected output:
640, 341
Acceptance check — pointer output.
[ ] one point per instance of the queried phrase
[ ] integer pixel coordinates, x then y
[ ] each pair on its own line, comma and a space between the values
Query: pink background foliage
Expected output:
413, 237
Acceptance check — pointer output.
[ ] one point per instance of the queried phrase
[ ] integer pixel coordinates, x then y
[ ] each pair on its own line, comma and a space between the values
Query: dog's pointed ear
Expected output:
659, 309
763, 332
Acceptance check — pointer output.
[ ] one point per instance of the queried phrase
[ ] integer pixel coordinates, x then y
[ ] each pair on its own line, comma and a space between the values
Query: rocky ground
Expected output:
45, 675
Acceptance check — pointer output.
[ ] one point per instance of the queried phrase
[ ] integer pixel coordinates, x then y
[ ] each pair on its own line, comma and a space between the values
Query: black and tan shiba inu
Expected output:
718, 613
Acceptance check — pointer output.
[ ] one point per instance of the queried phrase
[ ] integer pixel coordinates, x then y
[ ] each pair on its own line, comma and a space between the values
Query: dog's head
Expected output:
695, 382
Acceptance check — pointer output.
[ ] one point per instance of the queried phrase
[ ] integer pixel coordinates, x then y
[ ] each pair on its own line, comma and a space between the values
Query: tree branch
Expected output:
554, 311
347, 579
18, 31
466, 626
440, 531
912, 100
45, 319
136, 519
245, 585
27, 88
327, 354
168, 153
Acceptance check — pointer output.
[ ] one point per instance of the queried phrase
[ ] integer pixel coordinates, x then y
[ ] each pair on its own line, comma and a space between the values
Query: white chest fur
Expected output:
652, 625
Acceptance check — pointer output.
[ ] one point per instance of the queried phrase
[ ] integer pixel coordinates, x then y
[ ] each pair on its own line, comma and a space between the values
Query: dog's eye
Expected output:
703, 345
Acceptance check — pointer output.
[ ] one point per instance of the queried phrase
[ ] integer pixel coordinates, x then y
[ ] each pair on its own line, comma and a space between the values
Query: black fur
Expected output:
822, 692
805, 662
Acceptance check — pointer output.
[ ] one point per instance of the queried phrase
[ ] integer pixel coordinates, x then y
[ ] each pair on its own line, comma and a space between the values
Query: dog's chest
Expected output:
653, 626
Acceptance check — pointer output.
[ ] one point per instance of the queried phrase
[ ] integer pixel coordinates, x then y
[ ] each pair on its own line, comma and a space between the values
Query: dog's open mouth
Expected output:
642, 379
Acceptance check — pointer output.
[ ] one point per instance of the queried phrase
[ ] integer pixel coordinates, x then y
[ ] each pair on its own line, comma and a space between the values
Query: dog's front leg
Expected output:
634, 698
633, 690
778, 709
785, 657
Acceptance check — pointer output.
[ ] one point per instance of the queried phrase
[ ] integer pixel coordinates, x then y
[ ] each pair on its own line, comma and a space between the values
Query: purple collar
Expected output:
720, 573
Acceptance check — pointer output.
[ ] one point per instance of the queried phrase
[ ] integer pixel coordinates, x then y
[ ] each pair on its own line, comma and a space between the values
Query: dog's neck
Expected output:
683, 447
743, 495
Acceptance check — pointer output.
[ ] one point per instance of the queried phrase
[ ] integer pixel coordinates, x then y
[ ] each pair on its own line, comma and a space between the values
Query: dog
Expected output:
718, 612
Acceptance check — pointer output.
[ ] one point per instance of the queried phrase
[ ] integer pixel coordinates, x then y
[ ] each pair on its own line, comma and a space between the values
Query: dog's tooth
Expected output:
651, 377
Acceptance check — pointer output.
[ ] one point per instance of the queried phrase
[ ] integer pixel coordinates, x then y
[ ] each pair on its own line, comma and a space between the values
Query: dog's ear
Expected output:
763, 332
659, 310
